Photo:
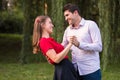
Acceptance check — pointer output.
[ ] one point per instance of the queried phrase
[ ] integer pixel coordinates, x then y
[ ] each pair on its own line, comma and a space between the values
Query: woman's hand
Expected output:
71, 39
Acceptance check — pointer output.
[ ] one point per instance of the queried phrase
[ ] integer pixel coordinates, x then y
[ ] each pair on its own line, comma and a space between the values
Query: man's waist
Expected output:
86, 68
85, 59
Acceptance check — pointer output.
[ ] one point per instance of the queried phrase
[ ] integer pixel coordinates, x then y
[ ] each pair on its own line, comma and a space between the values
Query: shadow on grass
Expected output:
10, 45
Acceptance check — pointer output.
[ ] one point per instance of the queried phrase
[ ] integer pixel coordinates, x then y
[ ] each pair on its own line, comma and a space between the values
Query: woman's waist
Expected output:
62, 62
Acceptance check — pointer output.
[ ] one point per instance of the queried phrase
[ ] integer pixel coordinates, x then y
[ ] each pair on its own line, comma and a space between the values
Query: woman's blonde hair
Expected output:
37, 32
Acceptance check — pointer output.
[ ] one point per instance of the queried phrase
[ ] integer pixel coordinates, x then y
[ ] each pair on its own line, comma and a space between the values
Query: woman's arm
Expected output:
60, 56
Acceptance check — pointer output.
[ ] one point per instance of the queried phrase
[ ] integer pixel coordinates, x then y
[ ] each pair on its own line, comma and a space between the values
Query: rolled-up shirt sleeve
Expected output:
96, 44
64, 41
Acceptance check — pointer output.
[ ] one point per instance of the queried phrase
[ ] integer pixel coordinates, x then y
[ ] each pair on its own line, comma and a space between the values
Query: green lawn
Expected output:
10, 45
13, 71
10, 69
42, 71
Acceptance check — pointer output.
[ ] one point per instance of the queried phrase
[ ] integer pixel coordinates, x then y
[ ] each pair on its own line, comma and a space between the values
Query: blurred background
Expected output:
16, 25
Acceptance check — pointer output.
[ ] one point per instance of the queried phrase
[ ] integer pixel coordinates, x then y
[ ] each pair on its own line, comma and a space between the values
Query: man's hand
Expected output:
76, 42
71, 39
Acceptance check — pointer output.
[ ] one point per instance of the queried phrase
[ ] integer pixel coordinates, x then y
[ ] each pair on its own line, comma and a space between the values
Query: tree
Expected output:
115, 29
31, 10
105, 21
0, 5
91, 11
26, 46
109, 17
57, 17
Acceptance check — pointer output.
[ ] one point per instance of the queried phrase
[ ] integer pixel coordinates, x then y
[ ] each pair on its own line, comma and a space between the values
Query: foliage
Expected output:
11, 23
10, 45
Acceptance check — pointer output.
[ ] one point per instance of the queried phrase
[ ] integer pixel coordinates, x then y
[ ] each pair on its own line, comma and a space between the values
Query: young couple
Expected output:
82, 37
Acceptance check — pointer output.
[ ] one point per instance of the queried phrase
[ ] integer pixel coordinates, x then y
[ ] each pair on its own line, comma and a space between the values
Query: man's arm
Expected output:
96, 44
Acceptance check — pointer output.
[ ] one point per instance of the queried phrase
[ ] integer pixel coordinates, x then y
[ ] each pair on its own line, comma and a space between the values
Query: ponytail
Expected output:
37, 32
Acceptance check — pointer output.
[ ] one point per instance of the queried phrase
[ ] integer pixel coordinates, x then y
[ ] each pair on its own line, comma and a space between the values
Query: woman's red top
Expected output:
49, 43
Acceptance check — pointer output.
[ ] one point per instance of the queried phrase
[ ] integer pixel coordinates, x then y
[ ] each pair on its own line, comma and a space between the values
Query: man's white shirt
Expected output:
86, 57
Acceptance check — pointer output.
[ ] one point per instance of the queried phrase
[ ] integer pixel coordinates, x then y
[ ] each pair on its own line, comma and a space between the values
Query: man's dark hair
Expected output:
71, 8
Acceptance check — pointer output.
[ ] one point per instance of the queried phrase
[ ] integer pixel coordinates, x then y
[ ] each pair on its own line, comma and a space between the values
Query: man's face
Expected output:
69, 17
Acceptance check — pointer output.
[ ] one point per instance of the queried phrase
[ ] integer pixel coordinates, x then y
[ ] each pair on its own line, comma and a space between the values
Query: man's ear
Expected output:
75, 12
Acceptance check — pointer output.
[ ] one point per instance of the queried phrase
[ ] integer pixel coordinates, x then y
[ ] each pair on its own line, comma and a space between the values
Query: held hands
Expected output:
73, 40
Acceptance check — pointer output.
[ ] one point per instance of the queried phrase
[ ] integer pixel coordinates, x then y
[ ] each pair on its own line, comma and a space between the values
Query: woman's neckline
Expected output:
47, 37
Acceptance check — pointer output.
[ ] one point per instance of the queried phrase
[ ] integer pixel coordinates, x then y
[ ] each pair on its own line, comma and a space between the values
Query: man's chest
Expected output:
82, 33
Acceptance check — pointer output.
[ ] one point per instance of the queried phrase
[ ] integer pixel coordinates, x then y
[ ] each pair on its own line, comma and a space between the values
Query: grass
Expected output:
43, 71
13, 71
10, 69
10, 45
112, 73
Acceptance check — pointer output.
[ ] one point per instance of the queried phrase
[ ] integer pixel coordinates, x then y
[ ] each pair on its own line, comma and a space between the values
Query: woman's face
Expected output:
48, 26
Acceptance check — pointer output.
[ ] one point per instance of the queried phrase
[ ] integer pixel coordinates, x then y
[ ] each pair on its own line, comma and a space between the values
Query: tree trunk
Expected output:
115, 28
1, 5
57, 18
26, 42
105, 20
32, 9
49, 7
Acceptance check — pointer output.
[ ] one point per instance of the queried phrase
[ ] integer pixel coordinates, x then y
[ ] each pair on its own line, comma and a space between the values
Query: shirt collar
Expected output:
82, 22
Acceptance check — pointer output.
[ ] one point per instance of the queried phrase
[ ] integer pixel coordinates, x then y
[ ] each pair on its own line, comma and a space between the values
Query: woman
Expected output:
55, 52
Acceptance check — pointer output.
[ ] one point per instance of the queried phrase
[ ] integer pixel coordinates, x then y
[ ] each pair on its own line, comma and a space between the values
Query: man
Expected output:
87, 43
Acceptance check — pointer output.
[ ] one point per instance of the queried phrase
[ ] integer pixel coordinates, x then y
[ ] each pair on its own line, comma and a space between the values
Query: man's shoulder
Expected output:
91, 24
90, 21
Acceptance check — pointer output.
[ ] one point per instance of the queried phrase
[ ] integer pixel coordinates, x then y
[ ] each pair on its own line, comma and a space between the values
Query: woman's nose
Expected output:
66, 18
52, 25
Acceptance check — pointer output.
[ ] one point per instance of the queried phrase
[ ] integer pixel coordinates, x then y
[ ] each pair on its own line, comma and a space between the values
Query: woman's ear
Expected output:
42, 25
